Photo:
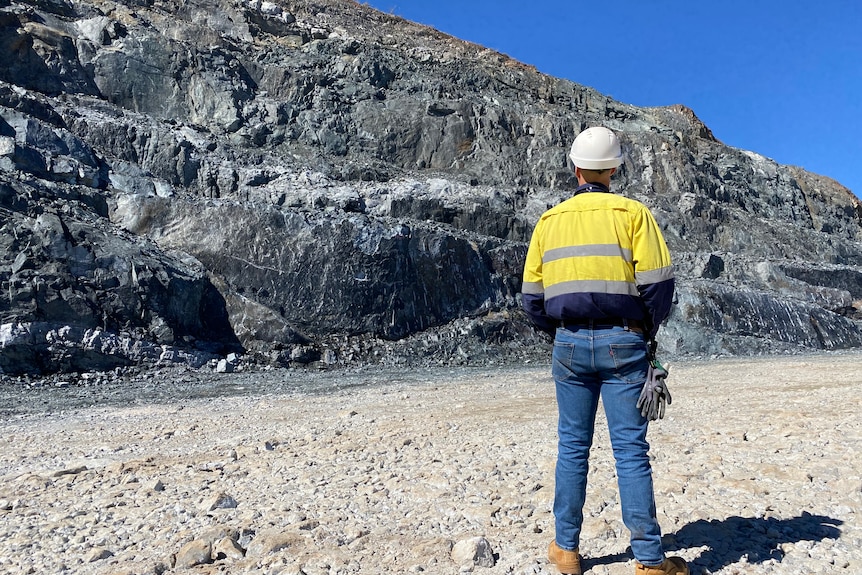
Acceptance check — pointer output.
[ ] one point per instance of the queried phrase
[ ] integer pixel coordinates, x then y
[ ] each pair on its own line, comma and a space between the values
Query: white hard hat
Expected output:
596, 148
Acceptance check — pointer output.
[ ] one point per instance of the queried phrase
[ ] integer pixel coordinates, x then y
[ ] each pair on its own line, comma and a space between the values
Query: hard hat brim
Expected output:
593, 164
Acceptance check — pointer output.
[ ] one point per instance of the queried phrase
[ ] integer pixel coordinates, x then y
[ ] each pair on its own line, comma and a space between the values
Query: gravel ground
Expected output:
429, 471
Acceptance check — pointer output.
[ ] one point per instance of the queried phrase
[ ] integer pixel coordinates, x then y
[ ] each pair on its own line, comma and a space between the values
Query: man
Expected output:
599, 278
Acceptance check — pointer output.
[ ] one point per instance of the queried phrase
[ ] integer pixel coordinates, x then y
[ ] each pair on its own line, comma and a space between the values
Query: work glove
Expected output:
655, 394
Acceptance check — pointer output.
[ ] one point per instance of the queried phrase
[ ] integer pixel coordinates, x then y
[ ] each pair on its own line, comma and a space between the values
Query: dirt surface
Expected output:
437, 471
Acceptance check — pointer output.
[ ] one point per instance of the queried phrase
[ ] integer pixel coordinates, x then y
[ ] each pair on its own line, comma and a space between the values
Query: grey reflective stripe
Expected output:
588, 250
533, 287
654, 276
591, 286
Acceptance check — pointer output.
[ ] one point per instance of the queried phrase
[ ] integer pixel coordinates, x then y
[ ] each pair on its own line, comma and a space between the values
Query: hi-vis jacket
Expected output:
597, 255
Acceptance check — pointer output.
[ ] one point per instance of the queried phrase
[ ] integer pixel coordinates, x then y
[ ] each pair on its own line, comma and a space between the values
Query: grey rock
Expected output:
154, 485
381, 277
473, 551
224, 366
220, 501
33, 347
182, 181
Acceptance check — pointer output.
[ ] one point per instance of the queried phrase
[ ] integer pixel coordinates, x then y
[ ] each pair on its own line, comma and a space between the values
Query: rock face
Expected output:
307, 181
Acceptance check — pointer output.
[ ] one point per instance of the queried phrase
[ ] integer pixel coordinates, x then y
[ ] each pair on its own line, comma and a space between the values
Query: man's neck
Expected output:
605, 183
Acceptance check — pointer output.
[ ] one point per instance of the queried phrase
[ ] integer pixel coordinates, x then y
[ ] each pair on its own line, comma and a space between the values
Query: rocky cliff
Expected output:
315, 181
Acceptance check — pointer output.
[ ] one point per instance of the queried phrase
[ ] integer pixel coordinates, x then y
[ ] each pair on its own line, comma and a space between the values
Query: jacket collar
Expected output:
591, 187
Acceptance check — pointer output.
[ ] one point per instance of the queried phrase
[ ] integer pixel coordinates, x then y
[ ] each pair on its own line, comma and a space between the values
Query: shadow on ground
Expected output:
729, 540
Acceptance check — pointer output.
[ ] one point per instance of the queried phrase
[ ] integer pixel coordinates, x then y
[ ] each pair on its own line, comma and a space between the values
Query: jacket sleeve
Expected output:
533, 287
654, 273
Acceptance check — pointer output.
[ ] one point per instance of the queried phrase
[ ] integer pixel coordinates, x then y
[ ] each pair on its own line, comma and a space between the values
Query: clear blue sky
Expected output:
782, 78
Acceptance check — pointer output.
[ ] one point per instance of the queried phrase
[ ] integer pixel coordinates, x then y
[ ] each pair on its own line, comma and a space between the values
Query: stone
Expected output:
97, 554
194, 553
473, 551
220, 501
269, 542
224, 366
70, 471
155, 485
7, 146
227, 548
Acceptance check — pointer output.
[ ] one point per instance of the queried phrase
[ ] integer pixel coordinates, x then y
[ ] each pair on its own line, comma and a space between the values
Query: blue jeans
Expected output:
611, 363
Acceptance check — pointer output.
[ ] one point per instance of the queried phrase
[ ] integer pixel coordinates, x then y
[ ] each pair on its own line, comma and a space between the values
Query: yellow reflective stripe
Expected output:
654, 276
532, 287
591, 286
586, 251
601, 268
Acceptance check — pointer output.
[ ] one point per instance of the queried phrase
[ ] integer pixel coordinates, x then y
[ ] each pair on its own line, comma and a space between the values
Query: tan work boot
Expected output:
671, 566
567, 562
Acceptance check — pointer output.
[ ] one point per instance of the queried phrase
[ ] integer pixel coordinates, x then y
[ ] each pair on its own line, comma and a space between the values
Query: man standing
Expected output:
599, 278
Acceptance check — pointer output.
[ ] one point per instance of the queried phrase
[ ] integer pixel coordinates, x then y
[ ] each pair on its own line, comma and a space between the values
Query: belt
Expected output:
603, 323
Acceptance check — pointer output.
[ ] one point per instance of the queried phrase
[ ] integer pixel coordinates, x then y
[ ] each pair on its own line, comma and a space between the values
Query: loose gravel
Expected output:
434, 471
